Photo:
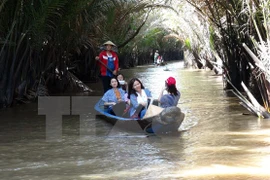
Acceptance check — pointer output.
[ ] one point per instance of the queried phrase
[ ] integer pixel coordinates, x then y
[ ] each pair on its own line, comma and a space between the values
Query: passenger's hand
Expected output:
163, 88
144, 104
96, 58
128, 102
115, 72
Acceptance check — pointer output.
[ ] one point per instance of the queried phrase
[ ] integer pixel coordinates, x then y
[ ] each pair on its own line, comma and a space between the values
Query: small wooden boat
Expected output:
166, 69
165, 121
162, 64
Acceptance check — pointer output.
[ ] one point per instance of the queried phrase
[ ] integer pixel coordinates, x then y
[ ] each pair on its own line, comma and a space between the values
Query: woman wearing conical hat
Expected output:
109, 64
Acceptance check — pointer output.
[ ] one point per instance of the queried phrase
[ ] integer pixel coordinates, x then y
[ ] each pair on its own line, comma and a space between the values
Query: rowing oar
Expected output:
106, 67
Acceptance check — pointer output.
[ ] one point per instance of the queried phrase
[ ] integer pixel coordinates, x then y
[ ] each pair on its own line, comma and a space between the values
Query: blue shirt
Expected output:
169, 100
110, 66
110, 96
134, 103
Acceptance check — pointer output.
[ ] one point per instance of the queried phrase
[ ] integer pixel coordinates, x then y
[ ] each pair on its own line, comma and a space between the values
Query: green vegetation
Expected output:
43, 43
234, 23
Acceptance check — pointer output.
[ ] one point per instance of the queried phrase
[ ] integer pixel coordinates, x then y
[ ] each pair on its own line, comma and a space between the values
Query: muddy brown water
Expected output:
216, 141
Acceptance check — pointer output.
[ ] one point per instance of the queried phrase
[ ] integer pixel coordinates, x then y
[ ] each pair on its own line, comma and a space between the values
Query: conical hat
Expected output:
152, 110
109, 43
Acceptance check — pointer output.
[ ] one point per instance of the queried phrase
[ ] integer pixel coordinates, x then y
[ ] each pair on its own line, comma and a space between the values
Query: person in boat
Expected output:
172, 96
158, 60
109, 64
113, 96
123, 83
156, 57
162, 62
138, 96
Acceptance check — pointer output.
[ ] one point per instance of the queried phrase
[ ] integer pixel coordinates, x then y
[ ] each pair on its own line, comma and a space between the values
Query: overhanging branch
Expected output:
136, 33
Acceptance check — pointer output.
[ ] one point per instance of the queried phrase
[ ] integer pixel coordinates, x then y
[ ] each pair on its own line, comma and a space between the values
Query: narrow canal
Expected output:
216, 141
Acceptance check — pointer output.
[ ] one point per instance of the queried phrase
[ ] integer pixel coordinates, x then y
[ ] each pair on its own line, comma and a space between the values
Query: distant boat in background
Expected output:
166, 68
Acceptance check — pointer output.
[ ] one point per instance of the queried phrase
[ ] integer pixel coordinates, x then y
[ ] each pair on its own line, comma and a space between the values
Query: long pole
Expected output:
105, 66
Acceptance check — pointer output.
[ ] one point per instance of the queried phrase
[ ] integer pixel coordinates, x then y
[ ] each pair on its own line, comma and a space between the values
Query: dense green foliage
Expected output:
232, 24
41, 42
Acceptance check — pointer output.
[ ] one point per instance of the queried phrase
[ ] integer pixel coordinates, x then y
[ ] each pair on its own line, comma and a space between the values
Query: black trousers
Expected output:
106, 81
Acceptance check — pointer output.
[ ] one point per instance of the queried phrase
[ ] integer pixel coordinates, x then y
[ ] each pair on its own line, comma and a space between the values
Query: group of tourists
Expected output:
158, 59
129, 99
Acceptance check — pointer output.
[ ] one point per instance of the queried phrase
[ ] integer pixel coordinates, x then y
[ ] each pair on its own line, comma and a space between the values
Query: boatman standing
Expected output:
109, 63
156, 57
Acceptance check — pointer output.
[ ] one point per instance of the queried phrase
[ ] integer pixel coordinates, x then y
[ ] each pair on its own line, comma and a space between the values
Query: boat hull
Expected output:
154, 124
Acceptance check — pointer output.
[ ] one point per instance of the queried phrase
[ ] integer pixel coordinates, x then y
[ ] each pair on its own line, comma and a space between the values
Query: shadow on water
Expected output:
216, 141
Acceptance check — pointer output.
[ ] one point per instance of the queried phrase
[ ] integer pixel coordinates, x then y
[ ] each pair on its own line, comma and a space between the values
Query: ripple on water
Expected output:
216, 141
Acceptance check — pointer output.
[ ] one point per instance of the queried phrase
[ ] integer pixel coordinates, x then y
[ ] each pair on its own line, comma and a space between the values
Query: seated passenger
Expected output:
138, 96
113, 95
172, 97
122, 82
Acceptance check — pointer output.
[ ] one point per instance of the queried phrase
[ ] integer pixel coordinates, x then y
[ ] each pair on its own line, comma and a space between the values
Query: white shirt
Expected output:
142, 98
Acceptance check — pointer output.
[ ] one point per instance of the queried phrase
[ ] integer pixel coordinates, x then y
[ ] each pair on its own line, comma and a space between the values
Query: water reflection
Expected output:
216, 142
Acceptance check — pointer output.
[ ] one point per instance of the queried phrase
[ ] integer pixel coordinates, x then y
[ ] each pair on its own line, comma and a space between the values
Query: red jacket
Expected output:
111, 62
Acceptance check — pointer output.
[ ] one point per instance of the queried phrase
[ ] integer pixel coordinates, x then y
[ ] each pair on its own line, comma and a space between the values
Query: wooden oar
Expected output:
105, 65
